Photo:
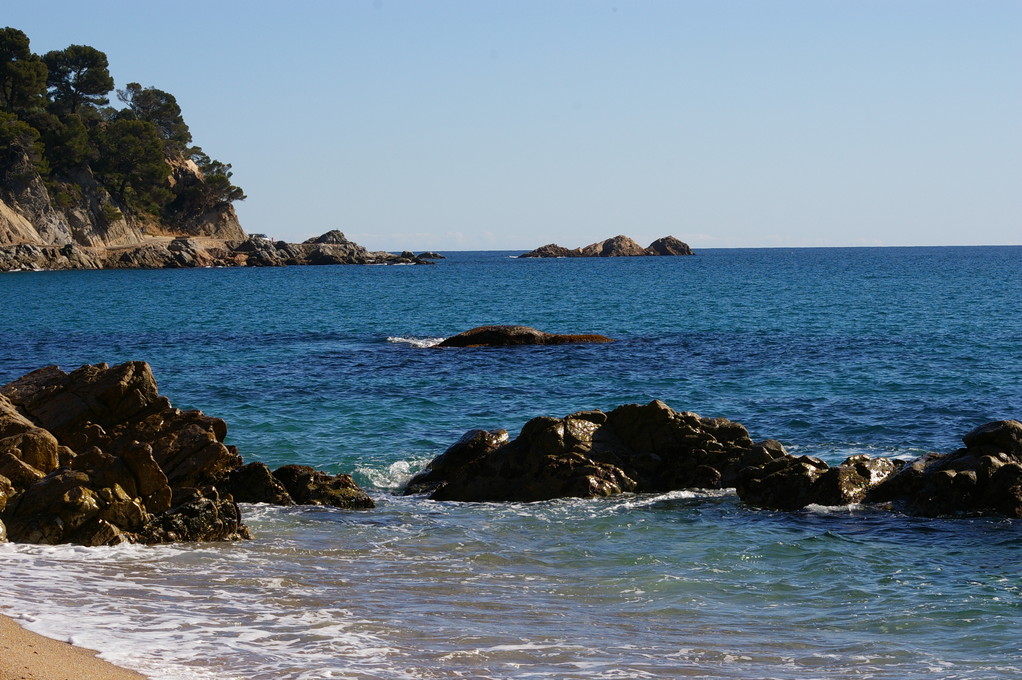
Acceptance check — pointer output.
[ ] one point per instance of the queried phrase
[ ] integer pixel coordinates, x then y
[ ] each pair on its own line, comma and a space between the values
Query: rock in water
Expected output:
98, 457
654, 448
618, 246
668, 245
308, 486
592, 453
504, 336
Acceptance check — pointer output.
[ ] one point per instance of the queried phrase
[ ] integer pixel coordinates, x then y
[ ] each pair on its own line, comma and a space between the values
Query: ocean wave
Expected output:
415, 342
393, 476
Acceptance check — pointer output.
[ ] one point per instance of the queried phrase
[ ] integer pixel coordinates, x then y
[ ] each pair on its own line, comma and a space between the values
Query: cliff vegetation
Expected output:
76, 170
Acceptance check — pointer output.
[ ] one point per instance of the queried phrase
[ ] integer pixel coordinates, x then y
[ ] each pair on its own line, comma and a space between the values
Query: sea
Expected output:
834, 352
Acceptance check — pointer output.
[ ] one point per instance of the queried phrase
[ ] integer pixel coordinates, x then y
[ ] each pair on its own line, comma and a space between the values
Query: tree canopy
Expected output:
79, 75
22, 74
55, 121
157, 107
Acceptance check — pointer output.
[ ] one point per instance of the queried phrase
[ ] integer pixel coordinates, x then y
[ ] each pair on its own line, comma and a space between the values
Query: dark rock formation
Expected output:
254, 483
668, 245
504, 336
431, 255
653, 448
553, 250
97, 456
291, 484
314, 487
984, 476
592, 453
619, 246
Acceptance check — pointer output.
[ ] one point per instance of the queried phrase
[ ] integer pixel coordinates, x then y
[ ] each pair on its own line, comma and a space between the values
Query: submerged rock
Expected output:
504, 336
97, 457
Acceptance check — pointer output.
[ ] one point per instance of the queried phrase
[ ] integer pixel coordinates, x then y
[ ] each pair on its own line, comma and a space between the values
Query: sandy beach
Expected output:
28, 656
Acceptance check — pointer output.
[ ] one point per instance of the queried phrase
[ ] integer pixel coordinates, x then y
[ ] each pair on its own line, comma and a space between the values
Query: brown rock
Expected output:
1003, 435
553, 250
504, 336
255, 483
589, 453
618, 246
308, 486
668, 245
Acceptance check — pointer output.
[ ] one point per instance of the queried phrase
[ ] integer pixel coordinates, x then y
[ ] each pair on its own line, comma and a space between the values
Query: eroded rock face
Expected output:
98, 457
506, 336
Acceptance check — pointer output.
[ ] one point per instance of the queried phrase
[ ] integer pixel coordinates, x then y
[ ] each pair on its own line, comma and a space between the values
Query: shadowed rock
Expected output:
653, 448
589, 454
504, 336
98, 457
308, 486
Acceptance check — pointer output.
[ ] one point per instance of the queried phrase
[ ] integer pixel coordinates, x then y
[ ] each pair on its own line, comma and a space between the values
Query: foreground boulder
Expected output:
618, 246
97, 457
654, 448
505, 336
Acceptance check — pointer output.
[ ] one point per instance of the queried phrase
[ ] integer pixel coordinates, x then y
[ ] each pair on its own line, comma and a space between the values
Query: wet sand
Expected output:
28, 656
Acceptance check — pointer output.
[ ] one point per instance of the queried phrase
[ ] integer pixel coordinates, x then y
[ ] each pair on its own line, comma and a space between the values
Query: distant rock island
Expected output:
509, 336
619, 246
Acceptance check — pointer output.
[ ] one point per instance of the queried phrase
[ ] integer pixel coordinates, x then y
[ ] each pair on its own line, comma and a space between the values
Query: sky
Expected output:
485, 125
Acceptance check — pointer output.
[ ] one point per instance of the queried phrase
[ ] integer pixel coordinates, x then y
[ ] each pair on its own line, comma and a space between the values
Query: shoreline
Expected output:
25, 655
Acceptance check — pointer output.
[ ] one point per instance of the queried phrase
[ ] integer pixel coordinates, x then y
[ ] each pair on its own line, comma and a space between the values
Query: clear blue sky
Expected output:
506, 125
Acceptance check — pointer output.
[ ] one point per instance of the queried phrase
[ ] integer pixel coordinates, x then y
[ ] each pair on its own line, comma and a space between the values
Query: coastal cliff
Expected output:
84, 185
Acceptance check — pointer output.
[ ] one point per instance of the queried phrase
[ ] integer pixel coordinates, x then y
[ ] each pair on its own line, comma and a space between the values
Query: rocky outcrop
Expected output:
183, 251
97, 456
505, 336
668, 245
77, 209
647, 448
295, 484
618, 246
653, 448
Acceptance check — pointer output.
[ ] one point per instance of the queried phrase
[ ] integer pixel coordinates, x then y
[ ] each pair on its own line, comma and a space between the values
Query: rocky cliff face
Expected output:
80, 211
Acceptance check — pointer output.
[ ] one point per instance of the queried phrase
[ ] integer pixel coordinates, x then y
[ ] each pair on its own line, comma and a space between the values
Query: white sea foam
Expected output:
415, 342
393, 476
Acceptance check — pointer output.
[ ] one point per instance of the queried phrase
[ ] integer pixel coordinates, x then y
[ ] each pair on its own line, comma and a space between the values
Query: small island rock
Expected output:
618, 246
505, 336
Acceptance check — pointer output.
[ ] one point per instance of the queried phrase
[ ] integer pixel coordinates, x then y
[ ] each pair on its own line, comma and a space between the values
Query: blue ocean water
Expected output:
887, 351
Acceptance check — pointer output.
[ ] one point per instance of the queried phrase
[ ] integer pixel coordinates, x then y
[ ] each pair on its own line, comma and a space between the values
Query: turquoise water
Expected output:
888, 351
